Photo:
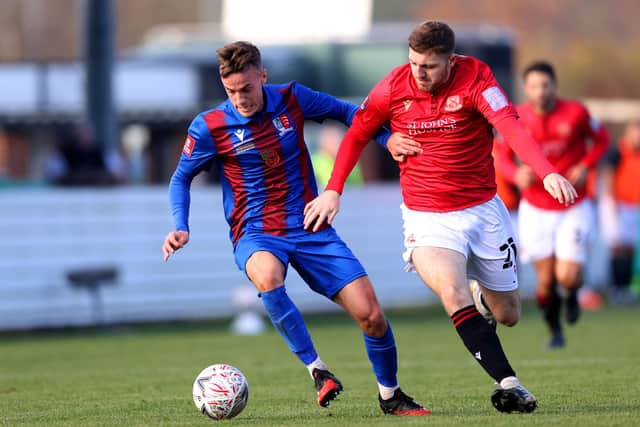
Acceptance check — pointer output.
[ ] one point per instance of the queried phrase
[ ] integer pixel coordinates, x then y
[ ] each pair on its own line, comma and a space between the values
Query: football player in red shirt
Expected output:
441, 108
573, 142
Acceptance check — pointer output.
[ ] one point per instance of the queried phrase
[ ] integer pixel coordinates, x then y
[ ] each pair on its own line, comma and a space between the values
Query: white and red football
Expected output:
220, 391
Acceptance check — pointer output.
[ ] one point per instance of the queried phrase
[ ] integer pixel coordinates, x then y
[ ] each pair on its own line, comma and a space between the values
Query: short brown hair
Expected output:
541, 67
237, 57
432, 35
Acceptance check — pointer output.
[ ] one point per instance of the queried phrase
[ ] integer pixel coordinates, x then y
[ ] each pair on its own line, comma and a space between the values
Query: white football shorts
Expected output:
564, 233
482, 233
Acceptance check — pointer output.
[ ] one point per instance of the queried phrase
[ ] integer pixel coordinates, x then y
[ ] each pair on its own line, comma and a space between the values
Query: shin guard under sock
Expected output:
483, 342
287, 319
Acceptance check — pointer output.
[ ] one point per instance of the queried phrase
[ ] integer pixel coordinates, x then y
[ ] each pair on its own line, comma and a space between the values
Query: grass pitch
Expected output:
142, 375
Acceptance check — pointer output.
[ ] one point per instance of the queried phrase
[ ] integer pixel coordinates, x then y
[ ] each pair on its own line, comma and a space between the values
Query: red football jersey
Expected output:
567, 135
454, 126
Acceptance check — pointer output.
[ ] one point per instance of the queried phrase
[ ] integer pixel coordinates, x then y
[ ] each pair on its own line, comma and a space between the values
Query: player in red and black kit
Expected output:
554, 236
456, 228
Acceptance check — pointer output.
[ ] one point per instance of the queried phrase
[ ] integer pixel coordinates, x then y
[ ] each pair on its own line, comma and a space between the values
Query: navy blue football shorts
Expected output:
322, 259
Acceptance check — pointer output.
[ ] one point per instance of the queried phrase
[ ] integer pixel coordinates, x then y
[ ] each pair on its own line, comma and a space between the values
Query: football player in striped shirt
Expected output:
257, 139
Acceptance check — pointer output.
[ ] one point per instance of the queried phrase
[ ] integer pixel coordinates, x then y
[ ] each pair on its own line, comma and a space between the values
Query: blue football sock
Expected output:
384, 357
287, 319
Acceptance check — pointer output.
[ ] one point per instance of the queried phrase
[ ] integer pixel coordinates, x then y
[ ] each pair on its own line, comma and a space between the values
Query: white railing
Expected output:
47, 233
50, 232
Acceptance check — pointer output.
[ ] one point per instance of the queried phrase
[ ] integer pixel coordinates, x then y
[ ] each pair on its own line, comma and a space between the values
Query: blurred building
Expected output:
172, 74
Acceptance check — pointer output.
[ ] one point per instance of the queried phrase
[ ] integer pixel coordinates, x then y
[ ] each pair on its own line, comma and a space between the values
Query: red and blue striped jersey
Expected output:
265, 166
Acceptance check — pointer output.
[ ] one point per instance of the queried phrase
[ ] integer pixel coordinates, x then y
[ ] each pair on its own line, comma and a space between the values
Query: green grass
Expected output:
143, 375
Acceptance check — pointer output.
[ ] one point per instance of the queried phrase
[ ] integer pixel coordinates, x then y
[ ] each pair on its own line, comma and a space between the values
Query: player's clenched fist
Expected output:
174, 241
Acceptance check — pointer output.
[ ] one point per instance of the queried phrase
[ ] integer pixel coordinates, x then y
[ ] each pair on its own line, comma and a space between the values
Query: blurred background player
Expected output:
257, 138
620, 209
323, 158
444, 106
552, 235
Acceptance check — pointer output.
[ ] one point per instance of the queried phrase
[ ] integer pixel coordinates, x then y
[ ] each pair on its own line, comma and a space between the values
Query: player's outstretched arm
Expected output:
174, 241
400, 146
324, 207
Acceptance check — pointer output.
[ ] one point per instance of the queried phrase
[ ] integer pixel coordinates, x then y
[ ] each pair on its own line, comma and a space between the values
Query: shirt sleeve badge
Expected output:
189, 145
495, 98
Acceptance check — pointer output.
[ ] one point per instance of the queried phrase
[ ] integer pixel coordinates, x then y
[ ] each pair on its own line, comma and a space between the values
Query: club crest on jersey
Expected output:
189, 144
282, 123
453, 103
271, 158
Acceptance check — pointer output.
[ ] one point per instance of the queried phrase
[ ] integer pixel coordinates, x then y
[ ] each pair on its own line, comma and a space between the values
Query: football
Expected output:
220, 391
